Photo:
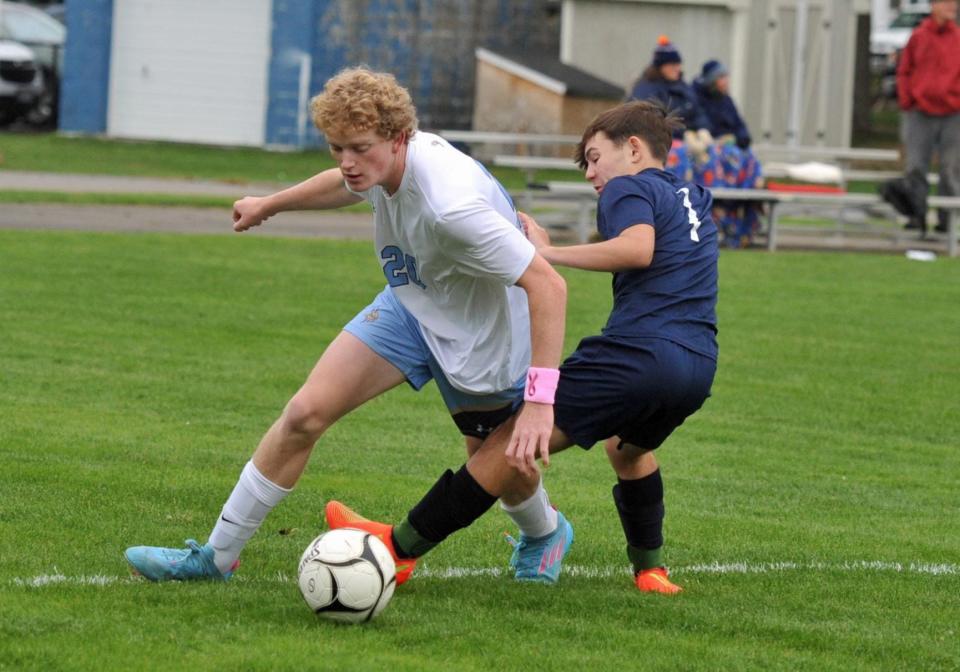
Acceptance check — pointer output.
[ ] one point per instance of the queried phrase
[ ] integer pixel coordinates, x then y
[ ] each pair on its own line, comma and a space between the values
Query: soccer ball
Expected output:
347, 575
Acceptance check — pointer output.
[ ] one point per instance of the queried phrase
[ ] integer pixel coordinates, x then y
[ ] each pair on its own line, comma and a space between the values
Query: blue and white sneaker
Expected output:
540, 558
177, 564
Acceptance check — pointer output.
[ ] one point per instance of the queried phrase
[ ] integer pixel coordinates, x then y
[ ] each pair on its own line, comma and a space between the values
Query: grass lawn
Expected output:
61, 154
20, 196
50, 152
812, 503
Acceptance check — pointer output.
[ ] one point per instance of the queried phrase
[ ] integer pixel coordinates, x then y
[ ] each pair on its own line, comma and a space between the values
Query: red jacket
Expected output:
928, 76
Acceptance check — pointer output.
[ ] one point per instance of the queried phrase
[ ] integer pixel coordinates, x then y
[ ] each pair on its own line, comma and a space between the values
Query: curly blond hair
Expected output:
358, 100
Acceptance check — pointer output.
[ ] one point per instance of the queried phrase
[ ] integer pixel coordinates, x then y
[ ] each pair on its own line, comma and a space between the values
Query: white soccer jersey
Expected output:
452, 248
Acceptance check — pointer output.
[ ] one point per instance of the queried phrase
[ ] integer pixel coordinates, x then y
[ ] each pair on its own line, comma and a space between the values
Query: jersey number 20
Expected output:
400, 269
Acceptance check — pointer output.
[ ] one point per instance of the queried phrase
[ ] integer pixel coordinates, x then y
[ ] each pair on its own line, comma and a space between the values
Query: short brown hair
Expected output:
359, 99
648, 120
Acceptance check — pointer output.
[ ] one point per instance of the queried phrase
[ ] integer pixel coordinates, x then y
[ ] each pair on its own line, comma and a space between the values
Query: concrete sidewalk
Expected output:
320, 224
142, 218
16, 180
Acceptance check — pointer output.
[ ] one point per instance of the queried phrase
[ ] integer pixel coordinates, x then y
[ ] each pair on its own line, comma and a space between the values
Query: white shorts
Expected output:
389, 329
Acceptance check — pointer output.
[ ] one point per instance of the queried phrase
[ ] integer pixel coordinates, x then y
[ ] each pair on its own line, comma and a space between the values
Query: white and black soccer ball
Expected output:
347, 575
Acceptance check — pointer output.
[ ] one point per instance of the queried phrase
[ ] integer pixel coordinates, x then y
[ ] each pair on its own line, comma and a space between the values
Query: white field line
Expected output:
426, 572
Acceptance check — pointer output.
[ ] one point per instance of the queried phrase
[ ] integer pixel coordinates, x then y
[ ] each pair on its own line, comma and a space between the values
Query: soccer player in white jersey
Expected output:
468, 303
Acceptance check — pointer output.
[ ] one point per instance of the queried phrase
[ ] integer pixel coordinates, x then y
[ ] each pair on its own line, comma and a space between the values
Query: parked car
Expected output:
45, 36
894, 37
21, 81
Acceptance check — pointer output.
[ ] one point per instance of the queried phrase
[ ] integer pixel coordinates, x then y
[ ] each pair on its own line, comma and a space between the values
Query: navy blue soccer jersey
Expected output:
675, 298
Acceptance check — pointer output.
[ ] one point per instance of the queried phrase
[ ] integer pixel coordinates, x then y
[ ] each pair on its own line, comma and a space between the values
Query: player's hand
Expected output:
531, 435
248, 212
535, 233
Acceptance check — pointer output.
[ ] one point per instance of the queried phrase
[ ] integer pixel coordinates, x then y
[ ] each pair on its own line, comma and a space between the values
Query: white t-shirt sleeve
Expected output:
483, 242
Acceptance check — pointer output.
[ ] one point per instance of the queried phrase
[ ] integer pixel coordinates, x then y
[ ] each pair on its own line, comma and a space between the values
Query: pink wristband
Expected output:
541, 385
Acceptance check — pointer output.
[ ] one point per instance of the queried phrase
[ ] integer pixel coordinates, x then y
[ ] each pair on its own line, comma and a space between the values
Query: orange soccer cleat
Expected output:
339, 515
655, 581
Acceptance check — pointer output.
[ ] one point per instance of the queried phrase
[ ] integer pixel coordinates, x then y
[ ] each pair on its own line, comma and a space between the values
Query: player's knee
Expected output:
305, 417
628, 460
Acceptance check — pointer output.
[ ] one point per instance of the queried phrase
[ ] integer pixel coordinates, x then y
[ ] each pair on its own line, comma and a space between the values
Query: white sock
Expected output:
252, 499
535, 517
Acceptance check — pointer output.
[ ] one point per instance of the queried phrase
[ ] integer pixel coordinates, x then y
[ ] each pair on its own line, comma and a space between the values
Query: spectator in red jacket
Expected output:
928, 88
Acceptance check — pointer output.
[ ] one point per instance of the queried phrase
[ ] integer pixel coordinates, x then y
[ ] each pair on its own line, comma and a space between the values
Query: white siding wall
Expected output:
614, 39
190, 70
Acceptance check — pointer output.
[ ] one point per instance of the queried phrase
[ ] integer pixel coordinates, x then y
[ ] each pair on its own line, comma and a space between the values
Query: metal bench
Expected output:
772, 200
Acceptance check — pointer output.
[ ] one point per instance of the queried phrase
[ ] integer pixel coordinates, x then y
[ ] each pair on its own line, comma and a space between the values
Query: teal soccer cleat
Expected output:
176, 564
540, 558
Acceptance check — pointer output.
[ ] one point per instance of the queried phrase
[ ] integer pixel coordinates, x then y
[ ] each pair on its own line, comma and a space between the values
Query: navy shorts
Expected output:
638, 389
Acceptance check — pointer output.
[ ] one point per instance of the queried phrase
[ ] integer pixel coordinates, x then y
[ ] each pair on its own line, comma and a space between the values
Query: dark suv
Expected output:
45, 37
21, 81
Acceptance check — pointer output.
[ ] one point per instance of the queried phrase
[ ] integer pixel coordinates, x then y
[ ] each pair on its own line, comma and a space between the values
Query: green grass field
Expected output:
51, 152
812, 503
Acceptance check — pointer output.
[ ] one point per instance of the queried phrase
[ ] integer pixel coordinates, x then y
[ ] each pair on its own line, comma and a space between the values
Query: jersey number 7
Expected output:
691, 214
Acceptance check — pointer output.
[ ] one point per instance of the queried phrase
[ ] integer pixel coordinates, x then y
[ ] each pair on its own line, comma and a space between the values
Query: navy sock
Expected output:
640, 505
453, 503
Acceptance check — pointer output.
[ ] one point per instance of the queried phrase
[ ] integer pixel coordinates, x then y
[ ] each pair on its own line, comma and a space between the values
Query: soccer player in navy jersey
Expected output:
632, 385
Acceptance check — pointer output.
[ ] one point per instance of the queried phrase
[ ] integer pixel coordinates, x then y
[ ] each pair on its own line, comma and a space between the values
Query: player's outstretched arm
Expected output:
323, 191
633, 248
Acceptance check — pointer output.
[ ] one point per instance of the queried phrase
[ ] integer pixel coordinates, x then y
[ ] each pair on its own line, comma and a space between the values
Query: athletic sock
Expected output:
640, 505
252, 499
453, 503
534, 516
644, 558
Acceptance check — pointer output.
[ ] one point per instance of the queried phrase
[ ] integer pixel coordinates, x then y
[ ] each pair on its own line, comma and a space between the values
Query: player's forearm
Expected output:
320, 192
618, 254
547, 300
547, 324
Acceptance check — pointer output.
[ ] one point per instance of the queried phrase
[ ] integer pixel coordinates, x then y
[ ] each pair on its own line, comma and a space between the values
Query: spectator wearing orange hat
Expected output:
662, 81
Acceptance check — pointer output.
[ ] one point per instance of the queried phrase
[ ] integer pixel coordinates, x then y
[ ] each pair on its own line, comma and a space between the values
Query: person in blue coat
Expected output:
662, 81
712, 89
738, 167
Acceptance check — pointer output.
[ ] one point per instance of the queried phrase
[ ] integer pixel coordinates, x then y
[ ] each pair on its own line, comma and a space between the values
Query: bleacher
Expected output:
570, 206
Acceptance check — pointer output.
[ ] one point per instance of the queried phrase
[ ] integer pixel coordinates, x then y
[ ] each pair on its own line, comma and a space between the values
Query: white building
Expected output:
791, 61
